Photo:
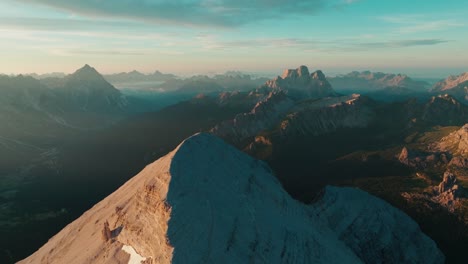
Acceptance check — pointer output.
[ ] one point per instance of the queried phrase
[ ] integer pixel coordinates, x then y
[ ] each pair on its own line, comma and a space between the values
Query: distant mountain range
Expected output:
367, 81
377, 85
216, 84
306, 104
456, 86
136, 76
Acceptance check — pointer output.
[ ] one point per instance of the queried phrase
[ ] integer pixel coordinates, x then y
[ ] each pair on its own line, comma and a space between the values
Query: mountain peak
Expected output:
87, 73
135, 72
318, 75
87, 90
302, 71
300, 84
445, 110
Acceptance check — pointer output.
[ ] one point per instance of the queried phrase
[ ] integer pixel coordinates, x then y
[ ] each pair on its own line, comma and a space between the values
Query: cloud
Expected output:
367, 46
59, 24
104, 52
417, 42
210, 42
351, 1
402, 43
419, 23
218, 13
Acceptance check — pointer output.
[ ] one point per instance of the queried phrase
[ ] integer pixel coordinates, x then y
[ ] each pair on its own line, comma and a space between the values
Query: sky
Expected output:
423, 38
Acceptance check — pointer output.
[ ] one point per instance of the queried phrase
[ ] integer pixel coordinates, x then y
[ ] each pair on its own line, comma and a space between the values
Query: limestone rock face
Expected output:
456, 142
207, 202
449, 192
404, 156
451, 82
298, 83
448, 183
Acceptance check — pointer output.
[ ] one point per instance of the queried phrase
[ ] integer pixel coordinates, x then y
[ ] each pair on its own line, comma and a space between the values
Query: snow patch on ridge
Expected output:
135, 258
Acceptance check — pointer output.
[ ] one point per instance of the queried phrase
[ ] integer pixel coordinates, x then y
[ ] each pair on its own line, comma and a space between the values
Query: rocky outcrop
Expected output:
448, 195
327, 115
404, 156
456, 142
449, 192
459, 162
448, 183
423, 160
300, 84
208, 202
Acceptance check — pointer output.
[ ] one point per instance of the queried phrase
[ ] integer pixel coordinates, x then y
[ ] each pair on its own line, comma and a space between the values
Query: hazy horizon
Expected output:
418, 38
427, 74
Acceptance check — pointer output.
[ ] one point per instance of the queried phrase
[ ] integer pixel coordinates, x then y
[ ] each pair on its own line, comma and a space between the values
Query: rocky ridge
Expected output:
451, 82
265, 114
456, 86
445, 110
327, 115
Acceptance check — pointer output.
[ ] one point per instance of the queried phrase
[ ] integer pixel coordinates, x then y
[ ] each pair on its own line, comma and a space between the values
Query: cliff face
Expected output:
451, 82
279, 113
208, 202
299, 83
456, 142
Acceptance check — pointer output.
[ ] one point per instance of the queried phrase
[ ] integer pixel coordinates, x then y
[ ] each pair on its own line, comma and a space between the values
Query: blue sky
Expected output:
422, 38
